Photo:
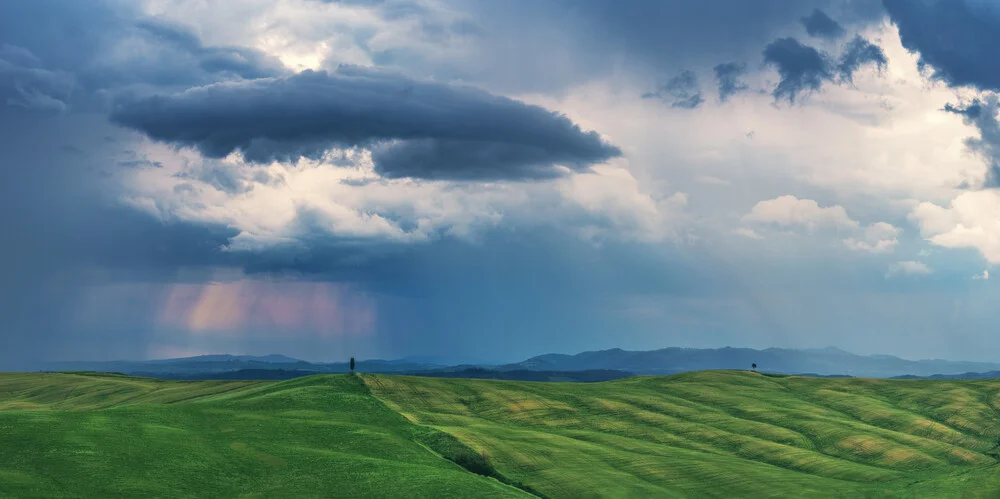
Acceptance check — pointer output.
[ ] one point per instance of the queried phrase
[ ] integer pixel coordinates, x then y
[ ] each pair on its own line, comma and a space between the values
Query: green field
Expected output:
705, 434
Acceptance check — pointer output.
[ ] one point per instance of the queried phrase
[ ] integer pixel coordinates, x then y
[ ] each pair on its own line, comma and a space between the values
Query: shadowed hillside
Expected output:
722, 434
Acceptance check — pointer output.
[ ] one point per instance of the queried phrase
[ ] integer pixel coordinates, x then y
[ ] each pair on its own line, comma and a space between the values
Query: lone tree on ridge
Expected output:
352, 364
753, 367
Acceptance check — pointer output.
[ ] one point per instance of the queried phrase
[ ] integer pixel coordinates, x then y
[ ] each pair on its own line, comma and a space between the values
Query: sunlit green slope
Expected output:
67, 435
722, 434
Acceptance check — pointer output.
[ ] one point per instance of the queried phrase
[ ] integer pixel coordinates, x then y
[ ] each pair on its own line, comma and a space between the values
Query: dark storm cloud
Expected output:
59, 54
169, 57
956, 38
820, 25
140, 163
728, 75
236, 61
62, 218
25, 83
470, 160
804, 69
857, 53
62, 34
563, 42
308, 113
680, 91
64, 235
982, 114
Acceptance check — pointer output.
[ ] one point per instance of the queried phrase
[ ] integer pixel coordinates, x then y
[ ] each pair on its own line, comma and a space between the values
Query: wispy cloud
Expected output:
908, 267
747, 233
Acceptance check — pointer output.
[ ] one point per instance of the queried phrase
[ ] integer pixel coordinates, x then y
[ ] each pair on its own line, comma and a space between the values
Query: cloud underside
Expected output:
415, 128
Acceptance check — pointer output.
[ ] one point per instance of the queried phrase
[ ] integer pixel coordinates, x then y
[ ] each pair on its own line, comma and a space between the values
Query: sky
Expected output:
483, 181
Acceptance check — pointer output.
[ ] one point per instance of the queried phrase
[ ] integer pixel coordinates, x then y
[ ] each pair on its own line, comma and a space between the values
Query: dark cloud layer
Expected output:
185, 48
728, 76
820, 25
681, 91
563, 42
509, 297
804, 69
61, 54
25, 83
519, 293
65, 235
956, 41
306, 114
982, 114
857, 53
956, 38
469, 160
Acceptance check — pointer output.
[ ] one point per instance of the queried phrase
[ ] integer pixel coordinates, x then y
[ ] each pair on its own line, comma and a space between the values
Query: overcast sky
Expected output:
485, 180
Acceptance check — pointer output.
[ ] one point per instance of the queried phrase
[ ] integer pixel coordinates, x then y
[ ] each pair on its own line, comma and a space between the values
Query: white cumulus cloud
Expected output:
971, 220
879, 237
791, 212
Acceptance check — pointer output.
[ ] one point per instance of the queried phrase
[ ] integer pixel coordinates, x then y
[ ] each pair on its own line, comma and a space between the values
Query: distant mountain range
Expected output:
202, 365
471, 372
985, 375
588, 366
822, 361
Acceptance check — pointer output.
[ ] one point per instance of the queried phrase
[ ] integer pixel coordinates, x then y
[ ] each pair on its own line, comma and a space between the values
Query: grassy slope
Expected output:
64, 435
722, 434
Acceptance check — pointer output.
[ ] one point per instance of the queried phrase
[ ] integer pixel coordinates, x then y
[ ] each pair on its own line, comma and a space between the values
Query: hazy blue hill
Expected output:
204, 366
201, 364
819, 361
241, 374
824, 361
468, 373
984, 375
269, 359
588, 376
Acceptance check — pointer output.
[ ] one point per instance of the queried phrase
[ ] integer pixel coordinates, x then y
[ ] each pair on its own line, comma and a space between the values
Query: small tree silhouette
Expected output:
753, 367
352, 364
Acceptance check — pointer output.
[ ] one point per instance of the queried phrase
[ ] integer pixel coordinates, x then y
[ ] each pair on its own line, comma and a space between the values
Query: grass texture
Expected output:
703, 434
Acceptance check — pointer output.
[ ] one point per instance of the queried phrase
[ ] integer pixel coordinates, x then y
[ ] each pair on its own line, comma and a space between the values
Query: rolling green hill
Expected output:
704, 434
65, 435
